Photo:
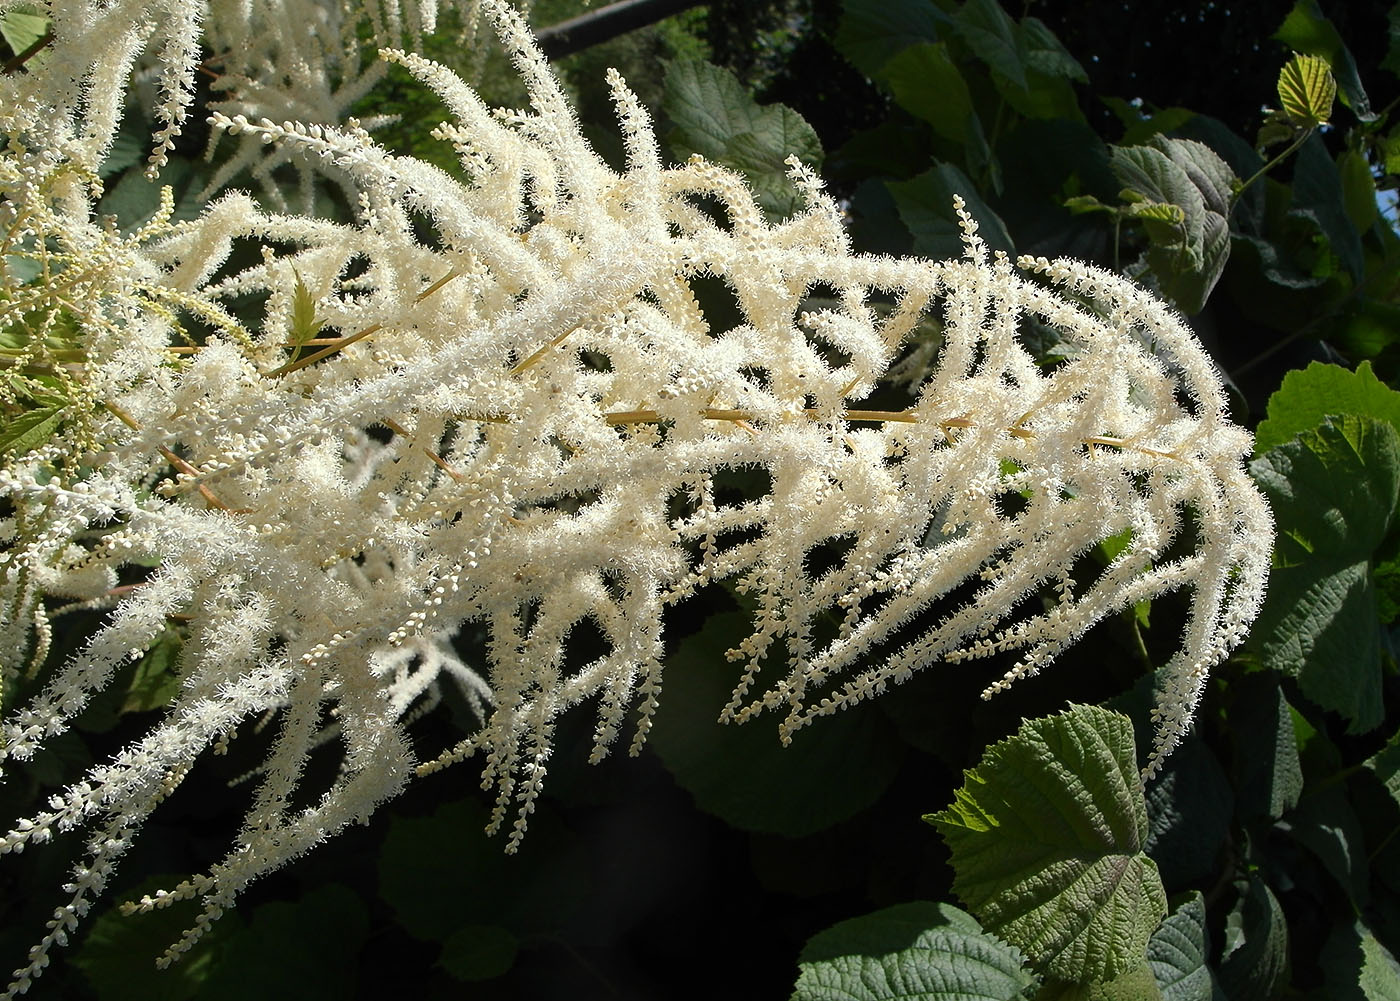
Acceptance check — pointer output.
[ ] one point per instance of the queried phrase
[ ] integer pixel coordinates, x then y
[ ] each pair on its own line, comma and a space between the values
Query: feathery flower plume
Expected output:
520, 423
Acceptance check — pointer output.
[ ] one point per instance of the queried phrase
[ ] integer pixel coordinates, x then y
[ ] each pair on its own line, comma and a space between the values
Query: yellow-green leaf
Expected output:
30, 429
304, 323
1306, 89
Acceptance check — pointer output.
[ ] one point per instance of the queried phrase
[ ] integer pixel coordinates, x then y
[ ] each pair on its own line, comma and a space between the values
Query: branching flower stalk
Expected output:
530, 438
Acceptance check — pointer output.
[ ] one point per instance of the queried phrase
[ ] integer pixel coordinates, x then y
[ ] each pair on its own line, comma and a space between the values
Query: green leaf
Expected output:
1177, 954
713, 115
478, 952
993, 38
117, 954
919, 951
926, 82
1308, 396
60, 759
1044, 53
1358, 189
536, 890
1188, 256
1190, 807
925, 205
1308, 31
1326, 825
304, 324
872, 31
1047, 836
134, 198
1385, 766
1357, 967
741, 773
30, 429
21, 28
295, 939
1334, 494
1376, 793
154, 682
1268, 772
1306, 90
1318, 195
1254, 961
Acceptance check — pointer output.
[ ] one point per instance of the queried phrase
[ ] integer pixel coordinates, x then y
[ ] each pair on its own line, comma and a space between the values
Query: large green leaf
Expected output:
478, 952
1189, 806
1254, 961
1181, 190
295, 939
927, 83
1178, 952
1267, 769
742, 773
1318, 196
22, 26
1047, 836
534, 891
713, 114
1357, 967
1376, 793
1308, 396
1334, 495
925, 205
154, 682
919, 951
871, 31
1326, 824
117, 954
1045, 53
993, 37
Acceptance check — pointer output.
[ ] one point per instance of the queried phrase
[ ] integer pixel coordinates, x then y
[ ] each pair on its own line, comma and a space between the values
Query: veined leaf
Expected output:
1307, 30
714, 116
744, 776
1318, 195
1254, 962
154, 682
1179, 179
925, 205
872, 31
919, 951
1334, 494
989, 33
31, 429
1268, 771
21, 28
1306, 90
1358, 967
1177, 954
1309, 396
1047, 838
304, 324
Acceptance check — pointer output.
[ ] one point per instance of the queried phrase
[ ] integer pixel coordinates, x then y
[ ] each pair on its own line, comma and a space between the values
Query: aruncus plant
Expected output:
519, 422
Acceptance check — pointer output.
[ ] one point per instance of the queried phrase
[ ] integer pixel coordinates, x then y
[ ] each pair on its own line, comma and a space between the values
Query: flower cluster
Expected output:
524, 422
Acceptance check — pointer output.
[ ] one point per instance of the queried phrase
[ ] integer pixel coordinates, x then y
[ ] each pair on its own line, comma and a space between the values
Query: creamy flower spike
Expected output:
523, 424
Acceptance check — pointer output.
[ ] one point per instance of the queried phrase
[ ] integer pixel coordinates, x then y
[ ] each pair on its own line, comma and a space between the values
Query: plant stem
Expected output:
1235, 198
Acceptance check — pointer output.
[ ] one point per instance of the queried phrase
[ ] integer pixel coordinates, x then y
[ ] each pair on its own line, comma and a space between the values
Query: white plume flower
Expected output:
521, 423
